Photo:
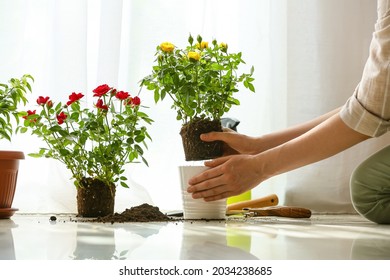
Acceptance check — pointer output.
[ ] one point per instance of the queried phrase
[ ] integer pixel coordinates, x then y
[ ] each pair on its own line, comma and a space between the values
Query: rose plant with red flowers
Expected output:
92, 142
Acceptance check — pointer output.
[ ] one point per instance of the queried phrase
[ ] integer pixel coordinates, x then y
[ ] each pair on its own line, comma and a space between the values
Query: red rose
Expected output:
100, 105
61, 118
136, 101
101, 90
29, 113
43, 100
74, 97
122, 95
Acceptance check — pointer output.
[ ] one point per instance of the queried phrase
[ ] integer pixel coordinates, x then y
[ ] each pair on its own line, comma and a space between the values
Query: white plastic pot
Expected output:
196, 209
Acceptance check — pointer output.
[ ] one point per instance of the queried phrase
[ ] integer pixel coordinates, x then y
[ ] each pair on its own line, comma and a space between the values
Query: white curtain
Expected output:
308, 56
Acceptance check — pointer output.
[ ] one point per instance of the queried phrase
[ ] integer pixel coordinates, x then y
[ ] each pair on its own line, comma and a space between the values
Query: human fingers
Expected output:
209, 173
213, 194
224, 137
214, 183
212, 136
217, 135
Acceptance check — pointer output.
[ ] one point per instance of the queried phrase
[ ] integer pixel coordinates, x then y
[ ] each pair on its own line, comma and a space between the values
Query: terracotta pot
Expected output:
9, 168
95, 198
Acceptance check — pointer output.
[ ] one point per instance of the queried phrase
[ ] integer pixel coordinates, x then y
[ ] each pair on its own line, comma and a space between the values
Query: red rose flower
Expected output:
136, 101
61, 118
122, 95
29, 113
43, 100
101, 90
100, 105
74, 97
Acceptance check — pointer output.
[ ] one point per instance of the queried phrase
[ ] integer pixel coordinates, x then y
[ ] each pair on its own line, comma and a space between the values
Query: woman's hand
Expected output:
227, 176
234, 143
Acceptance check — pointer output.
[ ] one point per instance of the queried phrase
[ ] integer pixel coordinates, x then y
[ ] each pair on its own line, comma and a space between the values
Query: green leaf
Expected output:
130, 141
144, 161
64, 152
75, 116
156, 95
35, 155
139, 138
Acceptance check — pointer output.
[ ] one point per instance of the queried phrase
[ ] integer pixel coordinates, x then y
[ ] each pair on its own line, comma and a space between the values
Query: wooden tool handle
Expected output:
269, 200
282, 211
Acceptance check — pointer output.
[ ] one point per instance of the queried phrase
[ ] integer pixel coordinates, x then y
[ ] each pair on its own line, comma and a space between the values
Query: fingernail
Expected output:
190, 189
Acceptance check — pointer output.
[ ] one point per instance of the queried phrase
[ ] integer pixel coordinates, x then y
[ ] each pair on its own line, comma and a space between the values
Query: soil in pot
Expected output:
142, 213
95, 198
196, 149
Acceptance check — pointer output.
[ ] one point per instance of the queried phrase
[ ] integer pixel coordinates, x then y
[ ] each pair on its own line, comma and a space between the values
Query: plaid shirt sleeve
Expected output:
368, 109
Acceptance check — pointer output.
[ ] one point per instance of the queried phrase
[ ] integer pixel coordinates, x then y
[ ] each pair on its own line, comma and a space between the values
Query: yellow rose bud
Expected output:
194, 55
223, 46
202, 45
167, 47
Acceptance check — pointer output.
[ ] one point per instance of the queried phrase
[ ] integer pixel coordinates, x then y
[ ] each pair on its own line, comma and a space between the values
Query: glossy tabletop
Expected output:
332, 237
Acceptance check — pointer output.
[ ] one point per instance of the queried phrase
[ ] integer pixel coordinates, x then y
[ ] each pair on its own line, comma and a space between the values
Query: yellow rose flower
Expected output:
202, 45
167, 47
223, 46
194, 55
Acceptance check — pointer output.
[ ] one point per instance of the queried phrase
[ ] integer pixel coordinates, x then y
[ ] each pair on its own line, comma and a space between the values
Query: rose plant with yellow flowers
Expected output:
94, 143
201, 80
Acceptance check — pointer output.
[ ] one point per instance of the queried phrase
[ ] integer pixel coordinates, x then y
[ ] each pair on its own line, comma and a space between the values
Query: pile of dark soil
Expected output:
142, 213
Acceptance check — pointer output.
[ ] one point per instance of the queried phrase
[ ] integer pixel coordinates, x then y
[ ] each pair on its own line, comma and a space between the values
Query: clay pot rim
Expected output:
11, 155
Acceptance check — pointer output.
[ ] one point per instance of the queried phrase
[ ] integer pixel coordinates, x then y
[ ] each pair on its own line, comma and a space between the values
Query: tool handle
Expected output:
282, 211
269, 200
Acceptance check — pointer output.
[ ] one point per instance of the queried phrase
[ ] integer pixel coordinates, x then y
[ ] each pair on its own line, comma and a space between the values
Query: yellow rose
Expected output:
167, 47
223, 46
202, 45
194, 55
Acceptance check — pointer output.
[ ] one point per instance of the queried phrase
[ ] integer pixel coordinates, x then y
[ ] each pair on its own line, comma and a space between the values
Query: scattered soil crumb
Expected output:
142, 213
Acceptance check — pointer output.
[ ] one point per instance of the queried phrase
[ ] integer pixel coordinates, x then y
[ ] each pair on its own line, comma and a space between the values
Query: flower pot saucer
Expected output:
6, 213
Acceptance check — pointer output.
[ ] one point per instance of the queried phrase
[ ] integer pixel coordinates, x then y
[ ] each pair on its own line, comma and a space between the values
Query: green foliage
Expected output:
92, 142
11, 95
200, 79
